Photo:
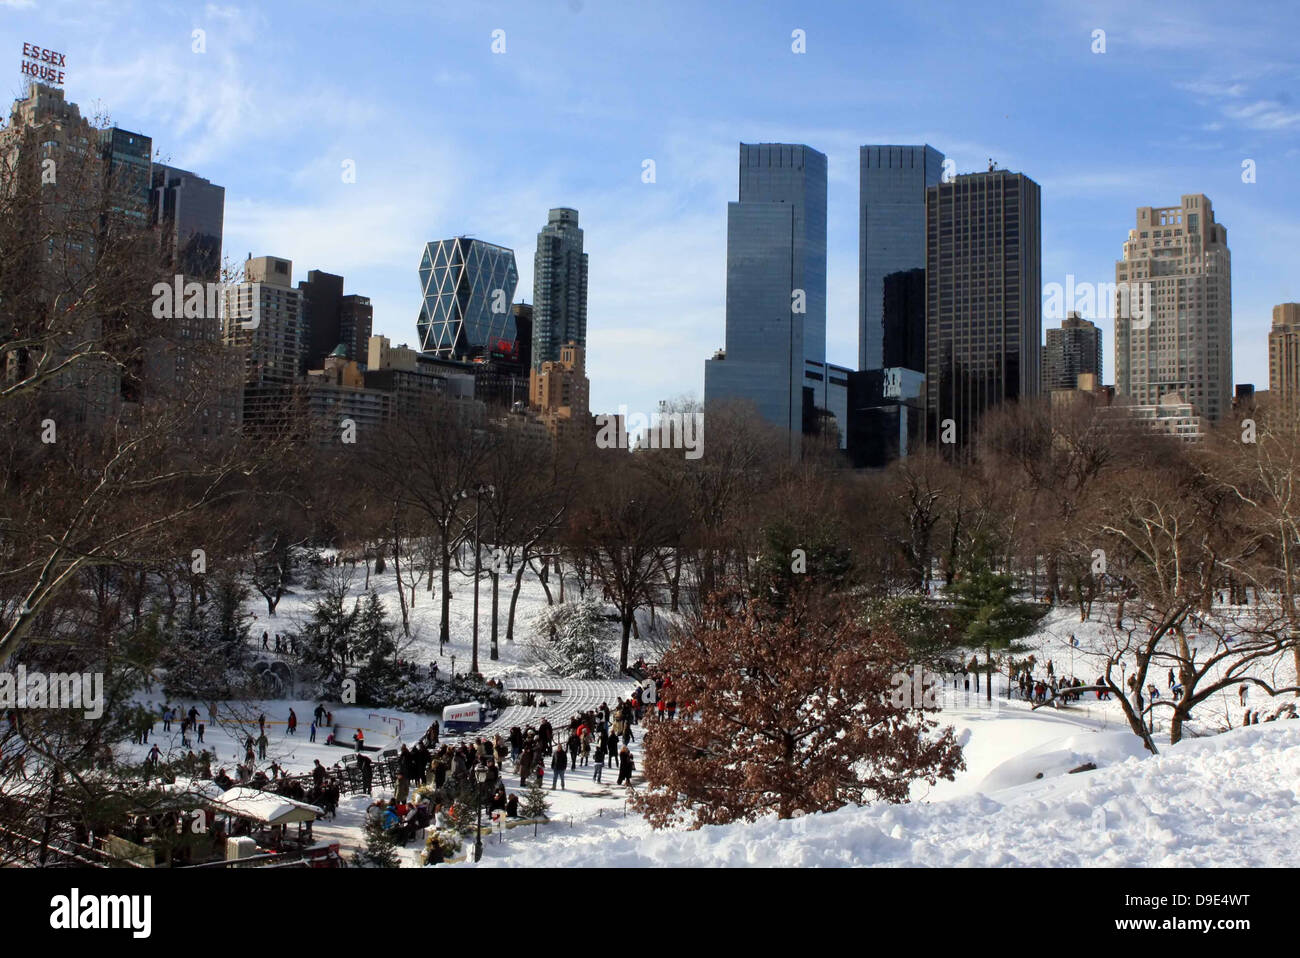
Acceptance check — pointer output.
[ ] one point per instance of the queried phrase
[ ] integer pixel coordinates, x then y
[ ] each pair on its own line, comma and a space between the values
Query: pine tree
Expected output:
331, 634
461, 815
535, 803
988, 612
573, 639
380, 850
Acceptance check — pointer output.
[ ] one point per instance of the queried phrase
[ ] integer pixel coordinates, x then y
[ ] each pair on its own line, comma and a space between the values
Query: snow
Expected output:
264, 806
1224, 799
1230, 800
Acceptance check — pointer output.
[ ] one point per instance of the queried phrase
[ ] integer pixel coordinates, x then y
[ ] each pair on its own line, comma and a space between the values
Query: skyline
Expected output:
449, 138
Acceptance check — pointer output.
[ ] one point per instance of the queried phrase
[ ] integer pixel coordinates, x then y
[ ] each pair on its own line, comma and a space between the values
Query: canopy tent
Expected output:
197, 790
265, 807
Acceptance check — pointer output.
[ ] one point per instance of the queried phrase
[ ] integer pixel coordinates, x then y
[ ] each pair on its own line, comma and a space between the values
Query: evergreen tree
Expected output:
535, 803
988, 612
380, 850
791, 559
330, 638
573, 639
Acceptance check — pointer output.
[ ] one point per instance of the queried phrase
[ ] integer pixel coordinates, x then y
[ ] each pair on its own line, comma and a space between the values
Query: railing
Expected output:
63, 852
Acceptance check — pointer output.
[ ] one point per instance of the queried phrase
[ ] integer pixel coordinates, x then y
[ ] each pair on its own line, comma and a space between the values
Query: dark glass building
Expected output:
190, 212
468, 288
127, 163
330, 319
891, 235
984, 298
885, 414
903, 319
776, 287
559, 287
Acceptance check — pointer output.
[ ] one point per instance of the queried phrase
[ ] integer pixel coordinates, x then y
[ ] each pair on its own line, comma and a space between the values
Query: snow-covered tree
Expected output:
573, 639
330, 638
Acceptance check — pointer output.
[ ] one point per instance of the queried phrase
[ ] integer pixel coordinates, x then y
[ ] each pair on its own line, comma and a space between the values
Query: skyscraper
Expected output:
356, 318
559, 287
1284, 359
330, 319
262, 319
776, 287
891, 239
1073, 348
190, 212
47, 134
128, 168
468, 288
1174, 335
984, 298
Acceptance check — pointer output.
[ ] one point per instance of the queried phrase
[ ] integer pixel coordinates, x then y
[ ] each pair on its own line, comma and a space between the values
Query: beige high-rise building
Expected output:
1173, 316
560, 391
1284, 359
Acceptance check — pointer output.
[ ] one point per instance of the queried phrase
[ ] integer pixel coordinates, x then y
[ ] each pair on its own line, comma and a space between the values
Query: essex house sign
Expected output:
42, 65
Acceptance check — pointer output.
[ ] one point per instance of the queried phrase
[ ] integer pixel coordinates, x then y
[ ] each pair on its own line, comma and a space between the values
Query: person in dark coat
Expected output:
625, 766
559, 761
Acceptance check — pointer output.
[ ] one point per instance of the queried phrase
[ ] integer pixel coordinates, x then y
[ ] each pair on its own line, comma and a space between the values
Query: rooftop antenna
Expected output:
992, 166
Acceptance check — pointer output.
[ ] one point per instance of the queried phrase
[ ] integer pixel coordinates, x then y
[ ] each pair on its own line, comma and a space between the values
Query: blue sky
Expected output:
450, 138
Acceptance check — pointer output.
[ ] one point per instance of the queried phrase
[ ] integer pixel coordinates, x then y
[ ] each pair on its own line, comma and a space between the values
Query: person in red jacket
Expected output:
360, 739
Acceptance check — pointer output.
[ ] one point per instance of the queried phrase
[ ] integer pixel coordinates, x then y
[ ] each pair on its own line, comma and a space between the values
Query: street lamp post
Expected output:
478, 492
480, 777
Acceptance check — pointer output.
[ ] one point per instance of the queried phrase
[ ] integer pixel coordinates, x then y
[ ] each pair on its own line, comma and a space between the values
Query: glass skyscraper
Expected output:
191, 211
468, 289
891, 236
776, 286
983, 298
559, 287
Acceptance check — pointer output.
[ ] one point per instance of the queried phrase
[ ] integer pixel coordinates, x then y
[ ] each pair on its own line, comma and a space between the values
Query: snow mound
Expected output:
1060, 756
1230, 800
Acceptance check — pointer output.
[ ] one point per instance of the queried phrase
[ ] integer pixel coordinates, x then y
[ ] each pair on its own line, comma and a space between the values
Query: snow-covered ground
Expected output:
1218, 800
1229, 800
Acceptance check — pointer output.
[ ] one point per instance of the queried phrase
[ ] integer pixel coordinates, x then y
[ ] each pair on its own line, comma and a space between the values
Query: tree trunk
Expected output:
514, 597
541, 576
627, 634
397, 574
496, 591
444, 629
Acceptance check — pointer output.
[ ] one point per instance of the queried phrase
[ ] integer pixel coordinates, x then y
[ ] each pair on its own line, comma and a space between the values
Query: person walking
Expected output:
311, 733
599, 757
625, 766
293, 721
262, 742
558, 762
360, 740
